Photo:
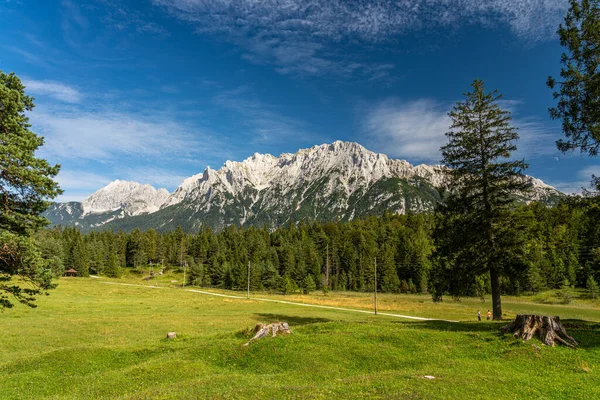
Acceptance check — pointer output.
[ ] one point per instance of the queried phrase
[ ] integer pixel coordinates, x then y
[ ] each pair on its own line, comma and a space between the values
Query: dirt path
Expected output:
284, 302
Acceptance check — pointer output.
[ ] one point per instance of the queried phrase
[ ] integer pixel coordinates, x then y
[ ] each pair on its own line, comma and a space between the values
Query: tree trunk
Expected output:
549, 330
496, 302
262, 330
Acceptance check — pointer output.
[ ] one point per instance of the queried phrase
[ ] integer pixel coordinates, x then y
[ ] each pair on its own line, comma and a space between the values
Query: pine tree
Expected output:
26, 185
578, 91
387, 276
196, 273
483, 181
113, 269
308, 284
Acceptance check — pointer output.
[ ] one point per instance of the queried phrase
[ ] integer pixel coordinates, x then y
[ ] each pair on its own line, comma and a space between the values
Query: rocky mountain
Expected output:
117, 200
338, 181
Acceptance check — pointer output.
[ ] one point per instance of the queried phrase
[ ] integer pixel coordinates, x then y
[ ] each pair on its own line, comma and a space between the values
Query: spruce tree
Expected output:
26, 185
578, 88
482, 182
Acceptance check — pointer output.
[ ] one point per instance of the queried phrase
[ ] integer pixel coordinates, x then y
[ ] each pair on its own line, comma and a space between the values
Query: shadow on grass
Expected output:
586, 333
292, 320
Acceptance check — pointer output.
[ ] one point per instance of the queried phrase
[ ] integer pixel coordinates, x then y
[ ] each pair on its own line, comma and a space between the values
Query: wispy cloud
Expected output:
267, 124
368, 20
295, 35
413, 130
27, 56
78, 180
54, 89
79, 184
582, 180
416, 130
294, 56
100, 135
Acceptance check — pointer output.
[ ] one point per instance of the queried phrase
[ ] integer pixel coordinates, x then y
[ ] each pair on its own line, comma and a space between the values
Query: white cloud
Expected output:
102, 136
367, 20
296, 35
536, 138
413, 130
77, 185
80, 180
57, 90
580, 181
416, 130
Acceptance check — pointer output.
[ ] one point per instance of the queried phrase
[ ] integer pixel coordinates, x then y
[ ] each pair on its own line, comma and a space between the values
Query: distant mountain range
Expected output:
338, 181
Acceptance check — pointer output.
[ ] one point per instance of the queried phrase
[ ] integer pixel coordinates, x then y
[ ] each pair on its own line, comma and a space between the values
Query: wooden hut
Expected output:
71, 272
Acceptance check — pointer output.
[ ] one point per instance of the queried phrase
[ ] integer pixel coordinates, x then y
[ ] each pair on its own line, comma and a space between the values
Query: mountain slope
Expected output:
117, 200
338, 181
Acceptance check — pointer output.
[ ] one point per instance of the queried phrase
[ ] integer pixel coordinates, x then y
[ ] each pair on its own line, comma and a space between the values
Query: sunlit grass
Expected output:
93, 340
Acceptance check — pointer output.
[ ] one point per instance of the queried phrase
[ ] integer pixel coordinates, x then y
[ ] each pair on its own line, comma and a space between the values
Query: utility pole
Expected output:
248, 279
375, 285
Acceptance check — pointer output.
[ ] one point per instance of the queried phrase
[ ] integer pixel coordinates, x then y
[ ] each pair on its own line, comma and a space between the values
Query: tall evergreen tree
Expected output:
483, 181
578, 88
25, 186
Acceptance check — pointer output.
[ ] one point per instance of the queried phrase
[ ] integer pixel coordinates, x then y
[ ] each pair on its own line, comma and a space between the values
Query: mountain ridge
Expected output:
337, 181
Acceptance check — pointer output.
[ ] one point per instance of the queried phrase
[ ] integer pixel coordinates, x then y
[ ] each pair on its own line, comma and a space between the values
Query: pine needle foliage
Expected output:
475, 220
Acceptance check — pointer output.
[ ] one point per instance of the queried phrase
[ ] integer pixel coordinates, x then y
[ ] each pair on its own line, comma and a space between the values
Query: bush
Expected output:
566, 293
308, 285
288, 286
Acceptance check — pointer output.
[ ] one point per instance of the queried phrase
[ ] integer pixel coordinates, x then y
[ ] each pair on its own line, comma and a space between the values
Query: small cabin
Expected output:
71, 272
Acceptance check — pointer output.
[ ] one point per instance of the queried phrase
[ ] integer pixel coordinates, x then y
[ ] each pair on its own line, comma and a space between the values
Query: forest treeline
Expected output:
562, 247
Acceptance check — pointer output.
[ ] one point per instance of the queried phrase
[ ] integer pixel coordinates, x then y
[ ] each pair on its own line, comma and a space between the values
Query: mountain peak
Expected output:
131, 197
332, 181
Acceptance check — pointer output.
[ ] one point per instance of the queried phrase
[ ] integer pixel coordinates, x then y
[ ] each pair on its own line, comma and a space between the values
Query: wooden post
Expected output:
248, 279
184, 265
375, 285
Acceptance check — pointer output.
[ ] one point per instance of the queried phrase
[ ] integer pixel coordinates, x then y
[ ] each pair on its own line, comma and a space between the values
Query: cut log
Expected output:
262, 330
548, 329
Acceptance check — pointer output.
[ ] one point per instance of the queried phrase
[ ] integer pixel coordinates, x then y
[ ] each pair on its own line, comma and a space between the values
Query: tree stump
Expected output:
262, 330
549, 329
171, 335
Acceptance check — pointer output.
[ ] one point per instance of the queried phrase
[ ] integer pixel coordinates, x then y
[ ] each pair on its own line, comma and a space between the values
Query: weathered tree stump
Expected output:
262, 330
171, 335
549, 329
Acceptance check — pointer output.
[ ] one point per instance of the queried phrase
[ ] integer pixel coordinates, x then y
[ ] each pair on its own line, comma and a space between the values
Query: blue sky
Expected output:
156, 90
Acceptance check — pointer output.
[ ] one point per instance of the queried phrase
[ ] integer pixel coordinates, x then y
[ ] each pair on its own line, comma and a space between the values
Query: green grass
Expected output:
92, 340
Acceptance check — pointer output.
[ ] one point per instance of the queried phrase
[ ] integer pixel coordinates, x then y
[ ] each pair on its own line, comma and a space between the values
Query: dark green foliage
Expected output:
578, 90
565, 293
579, 85
288, 286
26, 185
113, 269
476, 230
308, 284
196, 273
287, 259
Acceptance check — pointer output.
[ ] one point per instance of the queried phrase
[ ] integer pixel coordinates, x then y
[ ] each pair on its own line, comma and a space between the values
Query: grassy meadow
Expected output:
92, 340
